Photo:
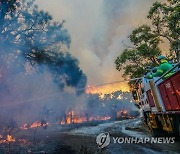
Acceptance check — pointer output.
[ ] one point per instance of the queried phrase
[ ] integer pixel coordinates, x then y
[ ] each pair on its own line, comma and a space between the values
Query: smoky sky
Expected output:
99, 30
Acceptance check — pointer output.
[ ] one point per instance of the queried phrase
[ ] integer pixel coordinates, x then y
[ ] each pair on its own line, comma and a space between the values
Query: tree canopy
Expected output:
144, 52
165, 22
135, 60
30, 36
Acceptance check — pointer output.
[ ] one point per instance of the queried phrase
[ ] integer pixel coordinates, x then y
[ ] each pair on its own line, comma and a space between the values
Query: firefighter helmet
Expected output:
161, 57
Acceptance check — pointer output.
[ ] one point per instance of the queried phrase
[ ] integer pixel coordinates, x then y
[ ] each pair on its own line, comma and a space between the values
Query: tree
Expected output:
134, 61
63, 66
31, 36
165, 20
109, 105
165, 24
34, 49
6, 8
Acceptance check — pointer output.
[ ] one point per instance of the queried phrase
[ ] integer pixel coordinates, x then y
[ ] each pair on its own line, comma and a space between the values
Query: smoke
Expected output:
35, 72
99, 31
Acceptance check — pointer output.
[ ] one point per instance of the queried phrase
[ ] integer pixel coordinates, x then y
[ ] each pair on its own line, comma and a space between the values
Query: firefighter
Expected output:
163, 68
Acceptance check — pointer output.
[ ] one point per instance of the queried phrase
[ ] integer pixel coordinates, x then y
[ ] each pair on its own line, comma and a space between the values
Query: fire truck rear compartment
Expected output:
170, 92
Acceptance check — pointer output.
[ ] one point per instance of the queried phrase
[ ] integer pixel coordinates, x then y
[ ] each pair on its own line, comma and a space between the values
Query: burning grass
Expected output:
47, 141
35, 125
24, 139
8, 139
73, 117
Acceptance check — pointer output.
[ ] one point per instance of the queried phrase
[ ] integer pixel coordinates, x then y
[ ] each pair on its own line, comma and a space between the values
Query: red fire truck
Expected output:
159, 101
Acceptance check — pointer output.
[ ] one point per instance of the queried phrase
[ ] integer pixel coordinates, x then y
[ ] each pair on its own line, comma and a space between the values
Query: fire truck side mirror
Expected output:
135, 95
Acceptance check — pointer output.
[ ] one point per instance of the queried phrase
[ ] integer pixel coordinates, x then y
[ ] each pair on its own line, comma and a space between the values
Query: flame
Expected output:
107, 89
119, 97
10, 138
2, 141
73, 117
25, 126
62, 122
34, 125
122, 113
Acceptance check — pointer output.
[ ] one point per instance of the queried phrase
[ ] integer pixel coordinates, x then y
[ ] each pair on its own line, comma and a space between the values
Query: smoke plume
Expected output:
99, 31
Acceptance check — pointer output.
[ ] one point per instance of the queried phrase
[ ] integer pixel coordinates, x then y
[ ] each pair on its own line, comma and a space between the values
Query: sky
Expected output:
99, 31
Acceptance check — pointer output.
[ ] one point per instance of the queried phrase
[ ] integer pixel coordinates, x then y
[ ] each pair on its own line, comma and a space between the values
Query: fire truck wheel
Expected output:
176, 125
156, 131
145, 118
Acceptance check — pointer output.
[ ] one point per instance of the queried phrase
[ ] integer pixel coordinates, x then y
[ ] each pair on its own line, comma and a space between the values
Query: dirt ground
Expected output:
82, 140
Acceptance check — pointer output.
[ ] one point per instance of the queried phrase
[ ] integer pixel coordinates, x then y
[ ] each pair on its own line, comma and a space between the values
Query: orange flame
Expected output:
34, 125
75, 118
25, 126
2, 141
10, 138
107, 89
122, 113
72, 117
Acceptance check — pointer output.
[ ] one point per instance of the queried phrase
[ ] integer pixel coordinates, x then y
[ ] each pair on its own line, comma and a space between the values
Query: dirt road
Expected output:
127, 128
82, 140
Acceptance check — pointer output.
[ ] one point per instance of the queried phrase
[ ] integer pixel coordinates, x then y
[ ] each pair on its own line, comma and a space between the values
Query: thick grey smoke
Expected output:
34, 70
99, 31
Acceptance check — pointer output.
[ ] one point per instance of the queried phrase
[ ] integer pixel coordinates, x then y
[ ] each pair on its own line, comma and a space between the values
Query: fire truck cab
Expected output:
159, 100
